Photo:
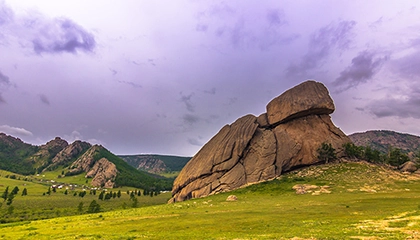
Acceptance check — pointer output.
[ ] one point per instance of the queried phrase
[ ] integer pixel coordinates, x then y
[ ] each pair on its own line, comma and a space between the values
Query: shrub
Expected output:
326, 152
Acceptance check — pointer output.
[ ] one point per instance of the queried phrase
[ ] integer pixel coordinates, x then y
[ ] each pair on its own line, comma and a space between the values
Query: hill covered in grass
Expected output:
155, 163
99, 166
382, 141
359, 201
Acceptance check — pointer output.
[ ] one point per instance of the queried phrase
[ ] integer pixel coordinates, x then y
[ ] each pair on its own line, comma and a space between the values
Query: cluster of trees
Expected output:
108, 195
8, 197
394, 157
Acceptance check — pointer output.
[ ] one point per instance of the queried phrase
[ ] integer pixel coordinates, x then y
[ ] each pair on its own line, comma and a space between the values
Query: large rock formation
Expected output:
101, 170
68, 154
255, 149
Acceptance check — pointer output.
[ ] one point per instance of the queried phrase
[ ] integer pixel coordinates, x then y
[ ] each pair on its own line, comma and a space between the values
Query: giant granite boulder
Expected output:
255, 149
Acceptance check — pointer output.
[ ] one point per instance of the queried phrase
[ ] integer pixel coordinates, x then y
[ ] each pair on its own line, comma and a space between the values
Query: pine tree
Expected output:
101, 195
94, 207
80, 207
15, 190
5, 193
24, 192
119, 193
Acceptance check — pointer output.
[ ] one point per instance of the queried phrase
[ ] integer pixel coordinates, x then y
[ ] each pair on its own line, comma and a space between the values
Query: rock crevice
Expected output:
255, 149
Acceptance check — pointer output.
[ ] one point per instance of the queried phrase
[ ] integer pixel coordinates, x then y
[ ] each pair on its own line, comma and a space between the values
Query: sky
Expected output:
165, 76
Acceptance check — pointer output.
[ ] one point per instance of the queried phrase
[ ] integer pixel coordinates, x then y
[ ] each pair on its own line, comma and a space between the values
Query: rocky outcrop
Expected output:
47, 152
153, 166
308, 98
103, 173
255, 149
68, 154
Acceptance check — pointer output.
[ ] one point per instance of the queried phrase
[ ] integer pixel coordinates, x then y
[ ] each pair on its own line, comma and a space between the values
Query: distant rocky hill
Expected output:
154, 163
104, 168
382, 140
255, 149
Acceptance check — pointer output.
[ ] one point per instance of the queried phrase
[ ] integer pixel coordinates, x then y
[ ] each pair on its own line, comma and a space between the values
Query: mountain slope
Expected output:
95, 162
156, 163
382, 140
14, 155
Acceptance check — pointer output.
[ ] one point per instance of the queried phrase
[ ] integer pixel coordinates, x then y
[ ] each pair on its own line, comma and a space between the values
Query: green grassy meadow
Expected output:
363, 201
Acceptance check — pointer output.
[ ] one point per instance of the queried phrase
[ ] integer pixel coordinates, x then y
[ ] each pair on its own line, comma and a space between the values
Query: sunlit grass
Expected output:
265, 211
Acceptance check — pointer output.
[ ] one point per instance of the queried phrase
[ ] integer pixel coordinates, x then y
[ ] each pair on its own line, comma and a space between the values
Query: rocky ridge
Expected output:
255, 149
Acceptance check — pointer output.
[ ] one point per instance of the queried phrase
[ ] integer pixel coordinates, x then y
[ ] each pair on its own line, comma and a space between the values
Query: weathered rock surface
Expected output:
307, 98
255, 149
68, 154
47, 151
103, 173
101, 170
409, 166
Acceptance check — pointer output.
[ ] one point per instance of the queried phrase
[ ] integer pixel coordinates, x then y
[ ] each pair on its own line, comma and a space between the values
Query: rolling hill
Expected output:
382, 140
96, 163
155, 163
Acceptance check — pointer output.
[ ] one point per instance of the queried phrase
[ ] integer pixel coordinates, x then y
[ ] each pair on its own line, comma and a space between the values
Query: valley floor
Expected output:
363, 201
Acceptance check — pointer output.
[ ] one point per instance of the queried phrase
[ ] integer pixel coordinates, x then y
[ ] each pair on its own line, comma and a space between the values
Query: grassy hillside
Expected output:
172, 163
382, 141
129, 176
14, 155
37, 204
351, 201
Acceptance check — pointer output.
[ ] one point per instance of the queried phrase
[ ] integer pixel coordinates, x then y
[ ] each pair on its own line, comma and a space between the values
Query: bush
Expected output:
326, 152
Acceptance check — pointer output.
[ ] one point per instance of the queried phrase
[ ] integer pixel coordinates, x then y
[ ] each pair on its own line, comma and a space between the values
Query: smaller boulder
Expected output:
231, 198
408, 167
307, 98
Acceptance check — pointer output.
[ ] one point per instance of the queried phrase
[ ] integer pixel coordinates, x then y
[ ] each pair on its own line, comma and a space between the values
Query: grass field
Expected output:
362, 201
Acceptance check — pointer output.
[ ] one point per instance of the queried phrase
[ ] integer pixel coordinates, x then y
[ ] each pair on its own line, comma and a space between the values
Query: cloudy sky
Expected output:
165, 76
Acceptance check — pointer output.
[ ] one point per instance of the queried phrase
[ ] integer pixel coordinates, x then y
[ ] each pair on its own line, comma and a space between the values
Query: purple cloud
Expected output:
4, 83
6, 14
363, 67
44, 99
62, 35
187, 101
321, 44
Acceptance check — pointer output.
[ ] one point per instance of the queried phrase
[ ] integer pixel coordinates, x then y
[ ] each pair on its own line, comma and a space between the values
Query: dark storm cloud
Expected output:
190, 119
62, 35
4, 83
44, 99
133, 84
187, 101
403, 108
321, 45
363, 67
4, 80
408, 66
276, 17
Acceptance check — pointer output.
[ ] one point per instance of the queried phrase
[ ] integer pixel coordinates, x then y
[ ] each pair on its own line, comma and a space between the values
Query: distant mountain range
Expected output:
382, 140
96, 162
154, 163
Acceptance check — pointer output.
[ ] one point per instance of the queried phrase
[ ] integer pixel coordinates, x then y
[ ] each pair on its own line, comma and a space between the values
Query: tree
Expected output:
353, 151
119, 194
101, 196
5, 193
135, 202
66, 192
10, 199
80, 207
15, 190
326, 152
397, 157
24, 192
94, 207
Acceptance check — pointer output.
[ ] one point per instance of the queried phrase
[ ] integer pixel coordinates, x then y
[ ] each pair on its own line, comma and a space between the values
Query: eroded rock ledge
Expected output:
255, 149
